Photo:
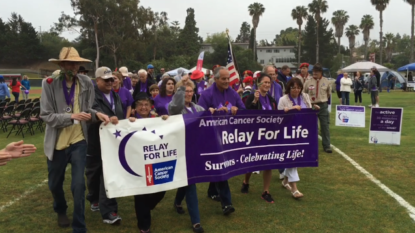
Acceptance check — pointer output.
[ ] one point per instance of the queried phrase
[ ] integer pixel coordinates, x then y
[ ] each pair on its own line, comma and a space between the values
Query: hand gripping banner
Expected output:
153, 155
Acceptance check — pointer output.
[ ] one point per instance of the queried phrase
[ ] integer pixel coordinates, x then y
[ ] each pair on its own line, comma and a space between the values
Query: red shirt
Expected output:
16, 88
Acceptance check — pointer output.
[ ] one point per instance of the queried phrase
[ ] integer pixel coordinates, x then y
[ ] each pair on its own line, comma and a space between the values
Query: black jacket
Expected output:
258, 106
138, 86
282, 81
101, 105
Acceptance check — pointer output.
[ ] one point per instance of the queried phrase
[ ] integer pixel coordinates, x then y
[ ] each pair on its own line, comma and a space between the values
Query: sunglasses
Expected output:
109, 80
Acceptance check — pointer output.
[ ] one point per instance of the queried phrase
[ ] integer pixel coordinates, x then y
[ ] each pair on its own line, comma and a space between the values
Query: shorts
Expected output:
339, 94
375, 93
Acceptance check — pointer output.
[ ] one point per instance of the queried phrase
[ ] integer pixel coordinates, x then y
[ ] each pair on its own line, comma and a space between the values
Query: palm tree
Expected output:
366, 25
380, 6
412, 2
255, 10
390, 45
316, 8
339, 19
299, 14
351, 32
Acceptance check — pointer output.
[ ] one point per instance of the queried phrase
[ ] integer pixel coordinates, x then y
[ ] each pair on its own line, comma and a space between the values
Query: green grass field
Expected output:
338, 198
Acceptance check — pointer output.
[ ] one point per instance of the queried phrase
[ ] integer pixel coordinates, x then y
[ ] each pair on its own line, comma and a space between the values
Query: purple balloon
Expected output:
26, 92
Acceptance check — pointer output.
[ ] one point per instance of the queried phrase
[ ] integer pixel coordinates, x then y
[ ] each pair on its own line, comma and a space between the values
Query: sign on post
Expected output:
386, 126
350, 116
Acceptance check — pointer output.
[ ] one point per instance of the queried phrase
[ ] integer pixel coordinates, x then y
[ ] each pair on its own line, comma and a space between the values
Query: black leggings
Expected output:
358, 95
16, 96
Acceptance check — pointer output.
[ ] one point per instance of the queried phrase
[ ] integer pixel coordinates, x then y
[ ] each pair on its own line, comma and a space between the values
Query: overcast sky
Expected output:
216, 15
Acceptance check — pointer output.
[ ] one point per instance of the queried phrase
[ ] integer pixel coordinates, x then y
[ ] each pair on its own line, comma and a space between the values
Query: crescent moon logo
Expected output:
121, 154
339, 116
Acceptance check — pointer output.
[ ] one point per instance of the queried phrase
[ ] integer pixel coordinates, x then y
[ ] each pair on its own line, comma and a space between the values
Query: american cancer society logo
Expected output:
343, 117
156, 172
374, 139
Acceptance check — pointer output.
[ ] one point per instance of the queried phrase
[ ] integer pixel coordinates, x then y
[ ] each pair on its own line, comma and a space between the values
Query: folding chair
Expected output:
6, 116
20, 122
28, 101
35, 120
3, 104
29, 105
17, 110
7, 100
36, 104
36, 100
21, 102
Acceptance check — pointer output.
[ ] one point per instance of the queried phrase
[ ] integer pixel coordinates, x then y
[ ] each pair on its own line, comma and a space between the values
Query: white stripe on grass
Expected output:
398, 198
25, 194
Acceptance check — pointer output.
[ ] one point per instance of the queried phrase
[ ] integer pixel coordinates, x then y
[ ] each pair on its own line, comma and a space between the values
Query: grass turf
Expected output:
338, 198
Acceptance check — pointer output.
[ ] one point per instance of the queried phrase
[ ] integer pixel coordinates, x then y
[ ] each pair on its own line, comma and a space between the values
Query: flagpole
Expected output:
233, 56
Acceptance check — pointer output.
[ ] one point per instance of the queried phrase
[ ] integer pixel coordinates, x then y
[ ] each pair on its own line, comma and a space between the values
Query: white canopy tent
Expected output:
204, 70
364, 66
174, 72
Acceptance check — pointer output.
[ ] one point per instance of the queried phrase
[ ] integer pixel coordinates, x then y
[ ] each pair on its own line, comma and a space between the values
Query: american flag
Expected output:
234, 76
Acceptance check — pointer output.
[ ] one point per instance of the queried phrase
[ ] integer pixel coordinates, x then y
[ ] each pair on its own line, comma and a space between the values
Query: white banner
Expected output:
144, 155
386, 126
350, 116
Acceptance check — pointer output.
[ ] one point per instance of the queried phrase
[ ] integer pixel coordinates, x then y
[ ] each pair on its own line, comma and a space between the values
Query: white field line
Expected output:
398, 198
25, 194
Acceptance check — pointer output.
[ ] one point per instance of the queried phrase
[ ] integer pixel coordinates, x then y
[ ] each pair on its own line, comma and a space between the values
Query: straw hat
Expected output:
69, 54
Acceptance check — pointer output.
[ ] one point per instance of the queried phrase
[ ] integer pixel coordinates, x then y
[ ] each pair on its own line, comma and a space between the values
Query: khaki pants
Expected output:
324, 119
25, 96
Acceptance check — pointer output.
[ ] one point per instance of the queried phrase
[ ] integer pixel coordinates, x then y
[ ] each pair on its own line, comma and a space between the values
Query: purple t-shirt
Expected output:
213, 98
127, 83
126, 99
161, 104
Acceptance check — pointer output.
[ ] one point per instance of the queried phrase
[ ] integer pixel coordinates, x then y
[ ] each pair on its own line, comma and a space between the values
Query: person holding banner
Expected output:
143, 85
162, 101
319, 89
221, 97
182, 104
107, 101
294, 99
261, 100
145, 203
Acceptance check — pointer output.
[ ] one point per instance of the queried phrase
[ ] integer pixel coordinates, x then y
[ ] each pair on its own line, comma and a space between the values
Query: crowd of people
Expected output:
73, 107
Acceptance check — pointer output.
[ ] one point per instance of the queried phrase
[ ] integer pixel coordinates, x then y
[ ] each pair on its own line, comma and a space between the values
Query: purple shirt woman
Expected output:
125, 95
161, 102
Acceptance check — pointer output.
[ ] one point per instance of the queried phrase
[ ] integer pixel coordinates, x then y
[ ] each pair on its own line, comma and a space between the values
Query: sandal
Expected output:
297, 194
287, 185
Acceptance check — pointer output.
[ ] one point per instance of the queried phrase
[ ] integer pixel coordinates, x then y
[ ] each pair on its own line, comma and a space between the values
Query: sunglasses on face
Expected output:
109, 80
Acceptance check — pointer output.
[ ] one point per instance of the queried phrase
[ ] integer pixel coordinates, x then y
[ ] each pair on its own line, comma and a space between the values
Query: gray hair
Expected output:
217, 71
142, 72
165, 75
265, 69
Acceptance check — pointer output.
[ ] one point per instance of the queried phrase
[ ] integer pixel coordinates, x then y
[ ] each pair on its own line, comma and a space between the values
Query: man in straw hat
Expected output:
66, 107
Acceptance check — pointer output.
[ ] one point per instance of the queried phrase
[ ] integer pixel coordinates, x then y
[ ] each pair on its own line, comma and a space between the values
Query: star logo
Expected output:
117, 133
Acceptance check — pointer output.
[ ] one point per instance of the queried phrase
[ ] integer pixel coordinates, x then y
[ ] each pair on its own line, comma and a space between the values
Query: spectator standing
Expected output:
15, 85
158, 78
358, 88
338, 84
345, 88
4, 89
319, 90
373, 88
25, 87
150, 73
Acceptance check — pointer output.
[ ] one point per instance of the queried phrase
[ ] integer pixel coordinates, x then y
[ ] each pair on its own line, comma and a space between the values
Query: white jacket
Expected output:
346, 85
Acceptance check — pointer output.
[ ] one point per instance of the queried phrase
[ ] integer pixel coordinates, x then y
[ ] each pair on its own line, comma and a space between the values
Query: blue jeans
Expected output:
16, 96
76, 155
221, 188
345, 98
2, 97
191, 201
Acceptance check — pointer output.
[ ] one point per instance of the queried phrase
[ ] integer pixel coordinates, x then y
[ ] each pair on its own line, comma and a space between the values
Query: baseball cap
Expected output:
197, 74
124, 71
103, 72
150, 67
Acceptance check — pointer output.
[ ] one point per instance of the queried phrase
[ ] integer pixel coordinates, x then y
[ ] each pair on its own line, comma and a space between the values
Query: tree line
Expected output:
118, 33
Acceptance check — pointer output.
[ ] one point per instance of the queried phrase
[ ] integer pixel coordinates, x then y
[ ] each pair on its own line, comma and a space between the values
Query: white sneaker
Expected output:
377, 105
282, 176
369, 105
257, 172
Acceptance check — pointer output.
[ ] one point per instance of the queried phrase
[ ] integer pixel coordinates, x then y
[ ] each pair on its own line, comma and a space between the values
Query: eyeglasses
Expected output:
189, 92
109, 80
